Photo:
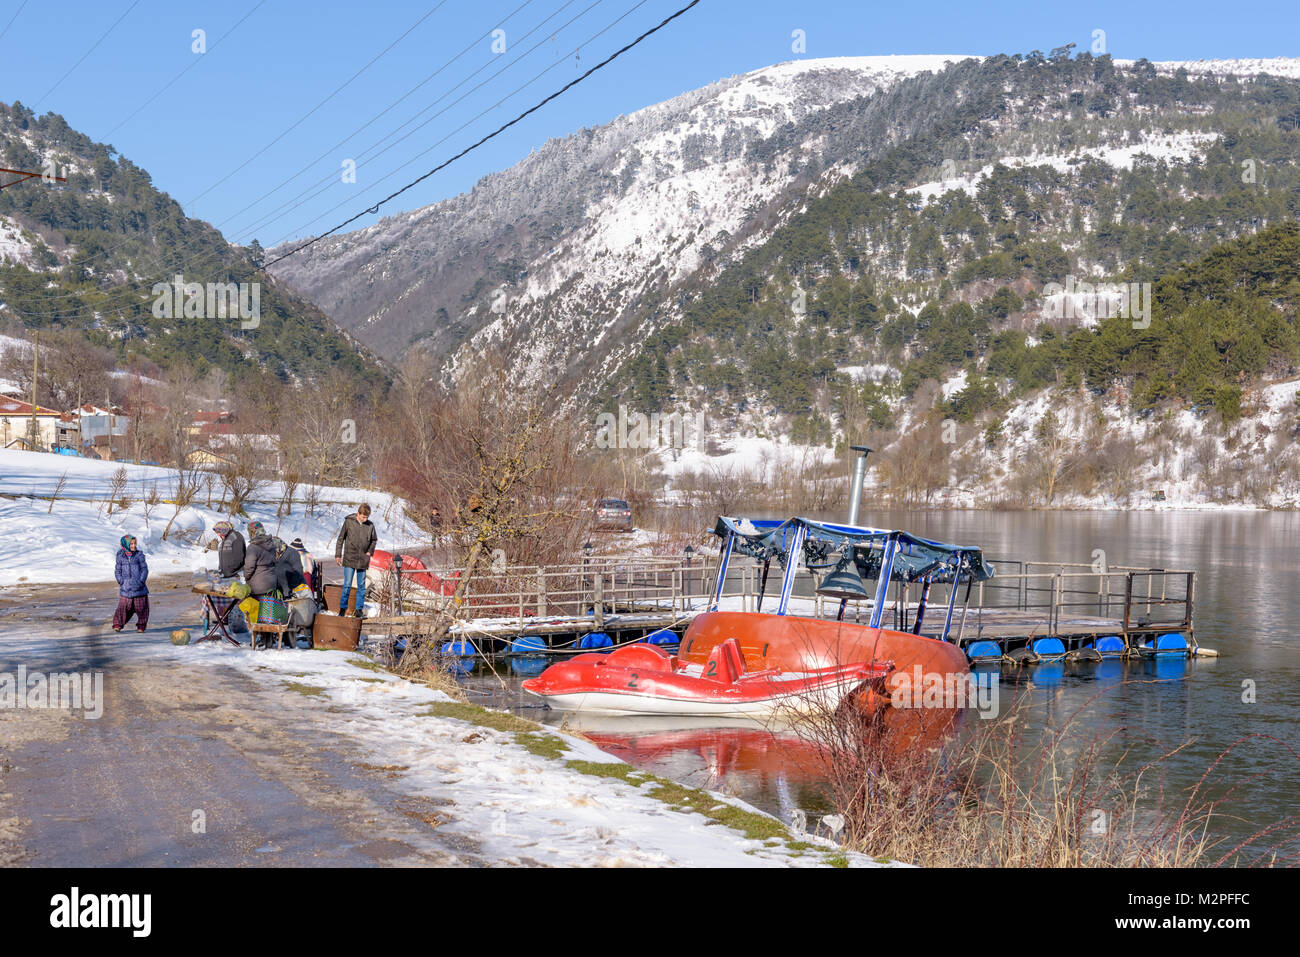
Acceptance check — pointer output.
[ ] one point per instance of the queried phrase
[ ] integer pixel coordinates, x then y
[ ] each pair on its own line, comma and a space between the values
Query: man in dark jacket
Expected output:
132, 573
259, 561
356, 543
230, 553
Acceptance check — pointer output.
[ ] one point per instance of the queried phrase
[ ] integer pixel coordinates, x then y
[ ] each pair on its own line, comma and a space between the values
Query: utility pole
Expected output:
34, 435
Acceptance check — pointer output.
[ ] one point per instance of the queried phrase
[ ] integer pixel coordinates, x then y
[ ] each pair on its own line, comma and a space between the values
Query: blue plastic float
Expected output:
462, 654
977, 650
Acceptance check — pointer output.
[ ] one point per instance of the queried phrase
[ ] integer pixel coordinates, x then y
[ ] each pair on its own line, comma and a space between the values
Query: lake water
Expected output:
1247, 607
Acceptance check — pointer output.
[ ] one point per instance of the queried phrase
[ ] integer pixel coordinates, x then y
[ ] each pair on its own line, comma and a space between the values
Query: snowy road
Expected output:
210, 755
123, 790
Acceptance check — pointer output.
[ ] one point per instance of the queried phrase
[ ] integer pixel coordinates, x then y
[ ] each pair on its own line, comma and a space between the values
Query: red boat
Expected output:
757, 663
645, 679
415, 574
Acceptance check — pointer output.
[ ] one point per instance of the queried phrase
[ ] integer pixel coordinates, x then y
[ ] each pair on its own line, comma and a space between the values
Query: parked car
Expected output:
613, 513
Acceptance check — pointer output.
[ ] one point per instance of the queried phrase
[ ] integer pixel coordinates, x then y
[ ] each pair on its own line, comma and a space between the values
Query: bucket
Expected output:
335, 631
302, 611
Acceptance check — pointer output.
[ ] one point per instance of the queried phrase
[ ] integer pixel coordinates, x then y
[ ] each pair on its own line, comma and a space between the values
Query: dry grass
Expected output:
1000, 794
433, 674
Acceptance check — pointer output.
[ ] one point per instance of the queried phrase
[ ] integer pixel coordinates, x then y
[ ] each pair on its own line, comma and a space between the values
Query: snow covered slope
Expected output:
75, 539
585, 219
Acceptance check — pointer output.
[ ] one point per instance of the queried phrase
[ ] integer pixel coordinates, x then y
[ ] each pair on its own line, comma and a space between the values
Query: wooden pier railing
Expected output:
1023, 599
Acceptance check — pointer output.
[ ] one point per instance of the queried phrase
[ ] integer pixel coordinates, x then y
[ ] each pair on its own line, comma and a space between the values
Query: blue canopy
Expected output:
915, 558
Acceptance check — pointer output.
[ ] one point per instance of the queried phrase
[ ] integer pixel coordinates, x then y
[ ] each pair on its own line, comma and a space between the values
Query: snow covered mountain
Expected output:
584, 223
854, 249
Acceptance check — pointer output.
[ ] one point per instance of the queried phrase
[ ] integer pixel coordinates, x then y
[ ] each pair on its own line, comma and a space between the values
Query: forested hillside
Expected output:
85, 255
1054, 169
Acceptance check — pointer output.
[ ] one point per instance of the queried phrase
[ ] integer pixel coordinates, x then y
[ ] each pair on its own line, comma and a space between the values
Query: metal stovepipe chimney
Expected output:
859, 473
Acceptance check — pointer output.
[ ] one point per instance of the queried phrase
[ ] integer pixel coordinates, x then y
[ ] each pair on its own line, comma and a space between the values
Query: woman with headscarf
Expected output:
230, 551
308, 563
132, 572
230, 562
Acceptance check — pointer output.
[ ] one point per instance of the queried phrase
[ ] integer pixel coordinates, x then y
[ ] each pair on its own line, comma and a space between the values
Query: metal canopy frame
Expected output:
905, 557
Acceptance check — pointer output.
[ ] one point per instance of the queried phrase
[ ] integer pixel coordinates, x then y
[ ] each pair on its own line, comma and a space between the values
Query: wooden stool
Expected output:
281, 633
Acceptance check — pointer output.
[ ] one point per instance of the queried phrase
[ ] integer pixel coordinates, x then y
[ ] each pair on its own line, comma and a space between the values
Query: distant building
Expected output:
16, 425
218, 443
96, 421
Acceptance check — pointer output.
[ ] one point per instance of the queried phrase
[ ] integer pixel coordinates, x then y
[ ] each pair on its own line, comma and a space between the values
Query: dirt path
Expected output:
271, 783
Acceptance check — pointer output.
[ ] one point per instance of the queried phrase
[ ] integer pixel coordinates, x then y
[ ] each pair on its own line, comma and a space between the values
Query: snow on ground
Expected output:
954, 384
76, 539
522, 808
1251, 66
1172, 453
13, 247
1171, 148
749, 456
876, 372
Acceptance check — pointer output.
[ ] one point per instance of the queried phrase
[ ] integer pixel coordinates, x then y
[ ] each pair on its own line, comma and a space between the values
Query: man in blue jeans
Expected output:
356, 543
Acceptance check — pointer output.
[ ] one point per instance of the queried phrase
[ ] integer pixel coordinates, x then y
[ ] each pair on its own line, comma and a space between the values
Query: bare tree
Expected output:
116, 489
500, 464
242, 470
322, 440
1053, 456
184, 491
58, 490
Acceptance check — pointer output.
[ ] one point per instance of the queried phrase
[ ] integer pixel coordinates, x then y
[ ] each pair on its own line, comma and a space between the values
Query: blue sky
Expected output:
210, 139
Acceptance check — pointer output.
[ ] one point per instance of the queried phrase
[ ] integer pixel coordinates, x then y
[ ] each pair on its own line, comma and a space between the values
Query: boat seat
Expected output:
726, 664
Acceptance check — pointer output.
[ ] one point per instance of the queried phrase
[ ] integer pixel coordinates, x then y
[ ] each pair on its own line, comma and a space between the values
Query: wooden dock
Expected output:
630, 597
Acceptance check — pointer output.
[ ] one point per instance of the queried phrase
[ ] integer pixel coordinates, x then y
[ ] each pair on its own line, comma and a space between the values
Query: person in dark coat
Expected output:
132, 574
356, 543
288, 568
259, 561
230, 553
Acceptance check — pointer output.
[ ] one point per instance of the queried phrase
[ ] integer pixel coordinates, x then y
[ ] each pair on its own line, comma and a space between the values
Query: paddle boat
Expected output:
645, 679
841, 559
757, 662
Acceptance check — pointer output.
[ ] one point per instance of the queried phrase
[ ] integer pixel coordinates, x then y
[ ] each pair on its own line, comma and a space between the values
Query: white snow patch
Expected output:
76, 540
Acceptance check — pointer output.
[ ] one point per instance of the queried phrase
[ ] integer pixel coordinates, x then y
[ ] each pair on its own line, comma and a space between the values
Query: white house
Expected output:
16, 423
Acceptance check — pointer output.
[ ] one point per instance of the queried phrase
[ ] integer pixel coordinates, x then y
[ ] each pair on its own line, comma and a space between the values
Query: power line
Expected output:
157, 262
500, 129
168, 85
373, 119
123, 291
324, 183
432, 10
93, 47
12, 19
329, 177
178, 261
482, 113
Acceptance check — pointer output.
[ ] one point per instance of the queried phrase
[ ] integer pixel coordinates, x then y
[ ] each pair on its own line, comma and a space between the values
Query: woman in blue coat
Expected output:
132, 578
